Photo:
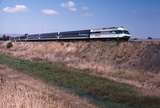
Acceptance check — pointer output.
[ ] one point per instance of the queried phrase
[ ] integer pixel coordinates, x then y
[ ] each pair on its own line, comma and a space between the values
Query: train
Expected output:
111, 33
4, 38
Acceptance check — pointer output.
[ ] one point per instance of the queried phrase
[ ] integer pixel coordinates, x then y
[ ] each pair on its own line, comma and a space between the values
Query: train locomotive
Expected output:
112, 33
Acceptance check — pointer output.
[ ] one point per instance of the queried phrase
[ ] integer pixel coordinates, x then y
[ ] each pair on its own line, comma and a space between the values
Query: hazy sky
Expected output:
141, 17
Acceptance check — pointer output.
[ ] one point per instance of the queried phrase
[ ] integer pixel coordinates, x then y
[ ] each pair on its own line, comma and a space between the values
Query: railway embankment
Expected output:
102, 92
135, 63
143, 56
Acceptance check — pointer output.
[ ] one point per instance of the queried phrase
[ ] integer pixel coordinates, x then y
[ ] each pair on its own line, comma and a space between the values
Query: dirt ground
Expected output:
18, 90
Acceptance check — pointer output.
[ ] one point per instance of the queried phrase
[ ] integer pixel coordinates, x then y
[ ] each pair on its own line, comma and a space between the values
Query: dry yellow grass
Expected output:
135, 63
18, 90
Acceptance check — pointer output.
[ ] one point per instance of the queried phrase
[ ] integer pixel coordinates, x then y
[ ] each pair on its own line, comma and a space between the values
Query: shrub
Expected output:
9, 45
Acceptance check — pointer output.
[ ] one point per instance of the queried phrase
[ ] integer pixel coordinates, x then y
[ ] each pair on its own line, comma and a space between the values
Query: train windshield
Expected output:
122, 32
126, 32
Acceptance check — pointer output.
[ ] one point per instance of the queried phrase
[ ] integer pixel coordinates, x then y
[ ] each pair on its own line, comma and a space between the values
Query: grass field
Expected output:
100, 91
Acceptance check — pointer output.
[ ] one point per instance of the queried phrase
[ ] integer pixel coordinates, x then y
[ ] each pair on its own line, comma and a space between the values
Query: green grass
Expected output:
102, 92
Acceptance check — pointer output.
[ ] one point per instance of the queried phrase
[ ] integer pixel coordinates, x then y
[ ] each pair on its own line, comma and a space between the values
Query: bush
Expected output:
9, 45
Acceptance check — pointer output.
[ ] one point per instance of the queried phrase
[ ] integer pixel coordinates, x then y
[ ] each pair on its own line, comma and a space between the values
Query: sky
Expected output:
140, 17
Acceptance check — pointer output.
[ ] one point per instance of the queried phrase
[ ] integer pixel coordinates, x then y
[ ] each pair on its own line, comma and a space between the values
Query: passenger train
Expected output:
117, 33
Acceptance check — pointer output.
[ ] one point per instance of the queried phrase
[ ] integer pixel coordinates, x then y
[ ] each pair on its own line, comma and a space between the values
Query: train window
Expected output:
118, 32
96, 32
83, 33
121, 32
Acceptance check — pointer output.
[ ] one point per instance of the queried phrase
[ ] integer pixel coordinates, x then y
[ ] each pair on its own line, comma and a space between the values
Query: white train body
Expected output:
109, 33
116, 33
